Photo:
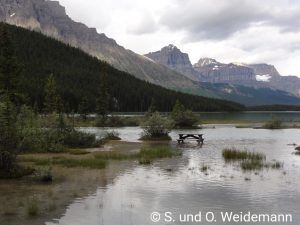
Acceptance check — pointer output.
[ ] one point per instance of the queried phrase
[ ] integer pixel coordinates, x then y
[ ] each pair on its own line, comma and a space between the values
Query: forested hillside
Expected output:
79, 77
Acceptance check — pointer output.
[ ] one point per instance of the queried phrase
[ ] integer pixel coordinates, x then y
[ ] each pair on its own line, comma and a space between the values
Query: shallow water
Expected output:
180, 187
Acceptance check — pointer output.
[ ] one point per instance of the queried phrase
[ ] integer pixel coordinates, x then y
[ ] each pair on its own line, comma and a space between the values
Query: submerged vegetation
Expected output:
249, 160
273, 124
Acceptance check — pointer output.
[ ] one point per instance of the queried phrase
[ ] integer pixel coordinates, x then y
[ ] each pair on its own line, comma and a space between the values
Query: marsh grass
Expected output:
249, 160
70, 162
145, 153
233, 154
273, 124
252, 164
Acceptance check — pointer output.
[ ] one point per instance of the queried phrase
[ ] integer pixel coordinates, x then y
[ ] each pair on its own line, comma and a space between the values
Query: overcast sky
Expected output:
250, 31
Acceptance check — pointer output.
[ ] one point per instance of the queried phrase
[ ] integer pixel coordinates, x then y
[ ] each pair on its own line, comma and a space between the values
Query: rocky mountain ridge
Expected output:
211, 71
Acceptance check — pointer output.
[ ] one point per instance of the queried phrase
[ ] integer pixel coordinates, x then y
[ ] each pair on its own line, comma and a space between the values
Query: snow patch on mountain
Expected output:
263, 78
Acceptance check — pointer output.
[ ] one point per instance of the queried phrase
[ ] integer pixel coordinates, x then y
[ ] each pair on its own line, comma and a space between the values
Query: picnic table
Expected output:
198, 137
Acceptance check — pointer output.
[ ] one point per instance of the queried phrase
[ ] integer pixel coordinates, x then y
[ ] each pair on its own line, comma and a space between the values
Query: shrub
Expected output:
156, 127
297, 148
78, 139
112, 135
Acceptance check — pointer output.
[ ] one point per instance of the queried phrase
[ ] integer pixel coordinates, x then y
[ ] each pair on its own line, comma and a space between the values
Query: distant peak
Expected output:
170, 47
206, 61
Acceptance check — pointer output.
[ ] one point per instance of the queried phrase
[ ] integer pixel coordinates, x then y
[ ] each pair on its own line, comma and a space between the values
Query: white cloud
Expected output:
228, 30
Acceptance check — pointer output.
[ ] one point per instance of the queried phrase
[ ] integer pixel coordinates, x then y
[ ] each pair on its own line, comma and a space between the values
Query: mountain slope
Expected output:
50, 18
79, 77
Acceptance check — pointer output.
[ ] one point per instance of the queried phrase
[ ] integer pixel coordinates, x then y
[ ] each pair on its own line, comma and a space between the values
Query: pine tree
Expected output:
103, 99
53, 102
9, 72
183, 117
83, 107
152, 108
178, 110
9, 68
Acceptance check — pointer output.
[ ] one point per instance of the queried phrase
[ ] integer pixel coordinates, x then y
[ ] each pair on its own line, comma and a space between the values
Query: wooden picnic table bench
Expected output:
197, 137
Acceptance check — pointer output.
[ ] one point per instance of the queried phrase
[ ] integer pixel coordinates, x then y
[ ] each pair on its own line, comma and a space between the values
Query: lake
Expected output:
179, 186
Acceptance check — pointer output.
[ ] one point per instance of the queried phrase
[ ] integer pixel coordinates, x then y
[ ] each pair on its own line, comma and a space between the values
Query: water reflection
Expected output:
180, 186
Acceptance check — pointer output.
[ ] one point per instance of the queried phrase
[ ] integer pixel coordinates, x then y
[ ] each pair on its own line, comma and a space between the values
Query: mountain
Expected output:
252, 75
173, 58
50, 18
79, 77
213, 71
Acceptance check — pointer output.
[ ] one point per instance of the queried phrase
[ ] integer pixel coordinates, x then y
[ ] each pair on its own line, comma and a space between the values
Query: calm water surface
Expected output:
179, 186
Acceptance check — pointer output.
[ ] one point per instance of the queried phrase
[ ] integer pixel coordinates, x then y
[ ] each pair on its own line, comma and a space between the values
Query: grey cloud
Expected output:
220, 19
146, 25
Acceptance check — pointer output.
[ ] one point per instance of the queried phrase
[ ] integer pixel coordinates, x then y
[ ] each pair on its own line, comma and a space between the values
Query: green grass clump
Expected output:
144, 154
231, 154
249, 160
91, 163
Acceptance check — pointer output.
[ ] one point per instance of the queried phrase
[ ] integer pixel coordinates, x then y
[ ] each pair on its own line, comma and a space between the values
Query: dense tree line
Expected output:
79, 79
274, 108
